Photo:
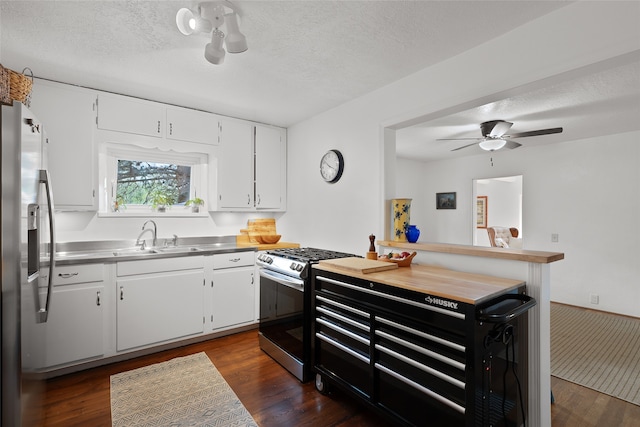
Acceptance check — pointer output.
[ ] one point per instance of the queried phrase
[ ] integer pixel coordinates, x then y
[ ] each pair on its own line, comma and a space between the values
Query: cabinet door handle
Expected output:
170, 128
234, 259
258, 199
121, 293
158, 126
248, 199
98, 298
67, 275
252, 278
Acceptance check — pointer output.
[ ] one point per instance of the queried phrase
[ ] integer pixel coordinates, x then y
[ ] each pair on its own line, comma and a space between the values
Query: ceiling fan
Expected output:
494, 136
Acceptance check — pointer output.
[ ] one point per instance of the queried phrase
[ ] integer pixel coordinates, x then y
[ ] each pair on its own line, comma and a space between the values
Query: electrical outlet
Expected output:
554, 238
595, 298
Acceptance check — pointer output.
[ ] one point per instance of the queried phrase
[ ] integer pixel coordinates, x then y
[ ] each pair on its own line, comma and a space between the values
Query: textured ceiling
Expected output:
595, 103
304, 57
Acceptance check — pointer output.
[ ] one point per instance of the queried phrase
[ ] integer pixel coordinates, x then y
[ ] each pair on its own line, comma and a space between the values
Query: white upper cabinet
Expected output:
235, 165
125, 114
270, 167
130, 115
246, 162
192, 125
251, 167
68, 115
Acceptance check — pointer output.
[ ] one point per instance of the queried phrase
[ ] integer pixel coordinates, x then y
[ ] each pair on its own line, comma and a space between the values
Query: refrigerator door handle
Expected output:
43, 313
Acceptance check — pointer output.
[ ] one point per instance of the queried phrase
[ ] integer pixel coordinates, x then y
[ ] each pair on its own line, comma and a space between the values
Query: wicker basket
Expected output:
19, 85
5, 98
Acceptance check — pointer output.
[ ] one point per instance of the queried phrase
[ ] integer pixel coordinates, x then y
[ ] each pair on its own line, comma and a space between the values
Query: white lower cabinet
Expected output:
158, 301
74, 328
233, 289
99, 311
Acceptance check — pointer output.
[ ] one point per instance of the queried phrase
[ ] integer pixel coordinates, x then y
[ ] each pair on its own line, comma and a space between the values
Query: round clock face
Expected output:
331, 166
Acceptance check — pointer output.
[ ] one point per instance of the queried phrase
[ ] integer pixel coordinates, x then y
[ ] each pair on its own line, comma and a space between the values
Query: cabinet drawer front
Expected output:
235, 259
71, 274
129, 268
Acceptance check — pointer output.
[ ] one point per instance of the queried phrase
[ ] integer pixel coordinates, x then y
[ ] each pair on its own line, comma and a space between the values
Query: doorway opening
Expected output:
497, 203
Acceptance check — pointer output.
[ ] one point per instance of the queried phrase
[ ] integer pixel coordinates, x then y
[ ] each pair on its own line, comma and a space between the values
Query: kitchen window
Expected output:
143, 181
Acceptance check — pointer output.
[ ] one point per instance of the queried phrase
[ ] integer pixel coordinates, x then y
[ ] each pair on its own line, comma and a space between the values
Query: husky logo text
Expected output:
441, 302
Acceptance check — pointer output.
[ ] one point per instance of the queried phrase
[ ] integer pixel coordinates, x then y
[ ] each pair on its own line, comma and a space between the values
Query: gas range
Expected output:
296, 262
285, 304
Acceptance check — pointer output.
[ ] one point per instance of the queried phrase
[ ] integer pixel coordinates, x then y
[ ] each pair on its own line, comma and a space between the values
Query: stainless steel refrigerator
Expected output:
27, 242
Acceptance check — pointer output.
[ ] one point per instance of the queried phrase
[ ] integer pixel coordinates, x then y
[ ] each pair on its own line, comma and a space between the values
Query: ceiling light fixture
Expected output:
209, 18
214, 52
493, 144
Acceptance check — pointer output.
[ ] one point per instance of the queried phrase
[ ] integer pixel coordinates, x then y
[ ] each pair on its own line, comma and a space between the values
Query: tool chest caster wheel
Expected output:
321, 385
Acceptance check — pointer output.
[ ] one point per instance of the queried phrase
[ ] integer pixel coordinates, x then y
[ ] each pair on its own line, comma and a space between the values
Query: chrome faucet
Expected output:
144, 230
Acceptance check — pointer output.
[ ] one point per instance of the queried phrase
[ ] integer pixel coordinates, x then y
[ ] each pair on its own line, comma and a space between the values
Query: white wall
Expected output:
341, 216
566, 189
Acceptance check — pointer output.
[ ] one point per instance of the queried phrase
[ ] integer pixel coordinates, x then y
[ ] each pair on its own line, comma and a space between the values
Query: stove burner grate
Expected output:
309, 254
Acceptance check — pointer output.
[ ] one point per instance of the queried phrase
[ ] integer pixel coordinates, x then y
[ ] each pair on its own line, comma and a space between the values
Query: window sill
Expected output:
154, 214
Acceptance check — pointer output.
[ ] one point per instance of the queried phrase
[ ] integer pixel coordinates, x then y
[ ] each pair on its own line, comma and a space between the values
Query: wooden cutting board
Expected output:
360, 265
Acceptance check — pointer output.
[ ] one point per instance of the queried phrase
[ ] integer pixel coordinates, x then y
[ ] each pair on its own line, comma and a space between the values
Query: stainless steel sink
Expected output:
176, 249
150, 251
134, 251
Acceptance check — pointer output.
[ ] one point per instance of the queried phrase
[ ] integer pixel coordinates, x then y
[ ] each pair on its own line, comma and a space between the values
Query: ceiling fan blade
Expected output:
512, 144
535, 133
464, 146
499, 129
458, 139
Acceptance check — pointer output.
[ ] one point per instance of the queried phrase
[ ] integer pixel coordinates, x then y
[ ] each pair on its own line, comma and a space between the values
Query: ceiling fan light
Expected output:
235, 41
492, 144
214, 52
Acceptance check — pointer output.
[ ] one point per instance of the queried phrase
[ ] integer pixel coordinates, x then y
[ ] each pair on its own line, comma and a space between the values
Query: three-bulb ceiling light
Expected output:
209, 18
492, 144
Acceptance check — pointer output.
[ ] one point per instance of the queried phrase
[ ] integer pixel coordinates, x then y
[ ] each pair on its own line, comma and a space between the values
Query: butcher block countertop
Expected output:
469, 288
242, 241
540, 257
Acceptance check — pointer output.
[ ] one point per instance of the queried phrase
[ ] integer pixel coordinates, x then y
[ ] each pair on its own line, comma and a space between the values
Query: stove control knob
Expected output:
299, 267
293, 266
269, 260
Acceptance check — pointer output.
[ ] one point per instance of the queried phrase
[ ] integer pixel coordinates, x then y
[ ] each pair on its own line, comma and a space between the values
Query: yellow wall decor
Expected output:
401, 208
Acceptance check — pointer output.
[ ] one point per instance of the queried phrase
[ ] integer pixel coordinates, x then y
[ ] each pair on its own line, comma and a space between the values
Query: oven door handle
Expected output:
281, 279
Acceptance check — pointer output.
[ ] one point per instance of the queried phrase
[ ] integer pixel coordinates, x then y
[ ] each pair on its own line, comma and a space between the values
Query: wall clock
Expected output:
331, 166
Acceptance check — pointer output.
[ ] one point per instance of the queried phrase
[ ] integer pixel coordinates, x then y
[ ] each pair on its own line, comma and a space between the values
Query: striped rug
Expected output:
597, 350
185, 391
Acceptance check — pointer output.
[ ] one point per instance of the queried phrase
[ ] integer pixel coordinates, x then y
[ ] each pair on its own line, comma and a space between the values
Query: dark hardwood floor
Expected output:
277, 399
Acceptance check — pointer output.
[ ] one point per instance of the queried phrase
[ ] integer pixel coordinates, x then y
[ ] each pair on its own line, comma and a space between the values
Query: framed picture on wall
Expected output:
445, 200
481, 218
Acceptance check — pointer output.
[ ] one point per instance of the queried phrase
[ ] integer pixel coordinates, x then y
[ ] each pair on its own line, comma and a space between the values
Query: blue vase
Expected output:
412, 233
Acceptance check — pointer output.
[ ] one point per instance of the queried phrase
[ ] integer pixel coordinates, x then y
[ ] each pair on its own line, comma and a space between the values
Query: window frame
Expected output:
112, 152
